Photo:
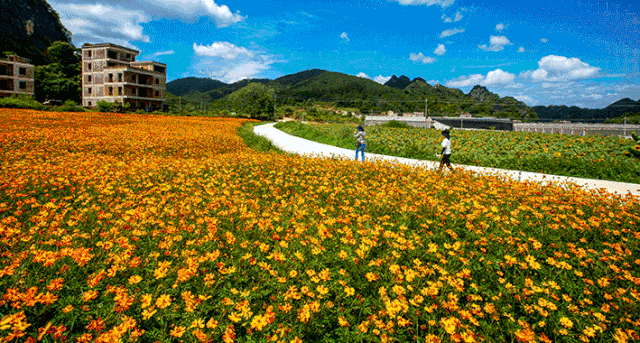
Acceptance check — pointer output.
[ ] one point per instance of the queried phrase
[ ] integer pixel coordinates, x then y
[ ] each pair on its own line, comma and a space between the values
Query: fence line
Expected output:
579, 129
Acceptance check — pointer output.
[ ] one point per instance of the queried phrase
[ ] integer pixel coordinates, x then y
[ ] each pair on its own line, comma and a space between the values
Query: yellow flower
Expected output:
163, 301
177, 331
134, 279
566, 322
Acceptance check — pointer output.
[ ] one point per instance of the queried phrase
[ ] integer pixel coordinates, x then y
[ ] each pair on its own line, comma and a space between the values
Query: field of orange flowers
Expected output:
149, 228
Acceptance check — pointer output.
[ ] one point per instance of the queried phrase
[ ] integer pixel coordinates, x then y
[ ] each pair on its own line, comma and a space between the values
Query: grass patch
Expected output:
254, 141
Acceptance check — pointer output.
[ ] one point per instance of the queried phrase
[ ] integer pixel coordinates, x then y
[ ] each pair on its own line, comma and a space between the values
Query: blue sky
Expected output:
584, 53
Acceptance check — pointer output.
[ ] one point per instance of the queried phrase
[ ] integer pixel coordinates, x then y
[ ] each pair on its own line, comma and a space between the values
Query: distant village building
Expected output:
16, 76
466, 115
111, 73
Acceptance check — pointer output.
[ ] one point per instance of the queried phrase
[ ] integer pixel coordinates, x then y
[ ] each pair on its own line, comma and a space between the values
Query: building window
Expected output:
22, 85
88, 66
110, 77
89, 78
119, 77
119, 90
89, 55
23, 71
89, 90
89, 103
157, 81
134, 91
157, 94
110, 90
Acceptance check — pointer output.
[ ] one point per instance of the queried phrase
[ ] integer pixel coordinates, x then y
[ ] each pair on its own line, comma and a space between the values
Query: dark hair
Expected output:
446, 133
360, 128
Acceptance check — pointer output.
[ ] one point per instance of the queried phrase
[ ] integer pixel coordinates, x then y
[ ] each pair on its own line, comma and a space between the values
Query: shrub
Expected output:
105, 106
397, 124
21, 101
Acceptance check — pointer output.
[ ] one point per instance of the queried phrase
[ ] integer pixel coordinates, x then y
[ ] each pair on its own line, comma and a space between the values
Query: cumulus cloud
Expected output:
521, 49
118, 21
224, 50
228, 62
465, 81
421, 58
363, 75
345, 36
500, 27
451, 32
554, 68
440, 50
497, 43
442, 3
456, 18
544, 40
526, 99
381, 79
494, 77
104, 23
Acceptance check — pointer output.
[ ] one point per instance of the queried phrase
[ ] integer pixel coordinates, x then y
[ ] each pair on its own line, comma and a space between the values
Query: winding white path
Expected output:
305, 147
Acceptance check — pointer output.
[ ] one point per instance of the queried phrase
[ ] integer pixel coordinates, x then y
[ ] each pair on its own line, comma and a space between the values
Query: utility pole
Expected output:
426, 107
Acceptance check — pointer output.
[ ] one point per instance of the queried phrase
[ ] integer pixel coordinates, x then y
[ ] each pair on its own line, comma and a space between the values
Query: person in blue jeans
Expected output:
361, 142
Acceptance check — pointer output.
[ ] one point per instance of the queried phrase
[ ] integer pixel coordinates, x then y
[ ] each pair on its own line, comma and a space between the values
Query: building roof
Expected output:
108, 45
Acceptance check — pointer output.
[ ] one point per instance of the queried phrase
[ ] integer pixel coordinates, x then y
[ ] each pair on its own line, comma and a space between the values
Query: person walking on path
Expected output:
446, 151
361, 142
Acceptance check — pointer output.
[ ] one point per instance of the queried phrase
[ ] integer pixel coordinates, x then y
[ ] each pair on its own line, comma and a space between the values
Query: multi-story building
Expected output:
111, 73
16, 76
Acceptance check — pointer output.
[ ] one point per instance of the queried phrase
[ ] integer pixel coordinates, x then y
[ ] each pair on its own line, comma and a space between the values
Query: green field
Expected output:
594, 157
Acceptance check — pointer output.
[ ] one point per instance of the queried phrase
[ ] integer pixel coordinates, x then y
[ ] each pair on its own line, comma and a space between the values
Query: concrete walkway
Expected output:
305, 147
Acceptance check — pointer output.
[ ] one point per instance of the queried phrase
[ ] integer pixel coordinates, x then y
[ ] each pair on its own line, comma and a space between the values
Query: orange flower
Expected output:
163, 301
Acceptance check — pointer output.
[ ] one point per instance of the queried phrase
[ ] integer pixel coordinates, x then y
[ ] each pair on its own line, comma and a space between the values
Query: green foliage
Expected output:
630, 117
61, 79
106, 106
397, 124
69, 106
635, 150
259, 143
256, 100
605, 158
22, 101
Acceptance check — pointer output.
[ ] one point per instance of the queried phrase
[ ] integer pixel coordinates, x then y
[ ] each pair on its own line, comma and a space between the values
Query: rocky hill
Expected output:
29, 27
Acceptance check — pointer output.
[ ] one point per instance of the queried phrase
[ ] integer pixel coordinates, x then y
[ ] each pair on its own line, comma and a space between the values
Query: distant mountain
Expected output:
398, 82
196, 89
29, 27
344, 90
187, 85
574, 113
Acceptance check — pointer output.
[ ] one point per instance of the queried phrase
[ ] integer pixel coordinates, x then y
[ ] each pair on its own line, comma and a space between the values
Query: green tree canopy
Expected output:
255, 99
60, 79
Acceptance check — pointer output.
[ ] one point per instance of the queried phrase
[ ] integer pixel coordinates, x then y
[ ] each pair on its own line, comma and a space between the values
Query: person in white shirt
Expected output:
361, 142
446, 151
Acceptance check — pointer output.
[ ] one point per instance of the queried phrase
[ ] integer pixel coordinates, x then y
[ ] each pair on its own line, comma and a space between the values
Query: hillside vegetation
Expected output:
341, 90
29, 27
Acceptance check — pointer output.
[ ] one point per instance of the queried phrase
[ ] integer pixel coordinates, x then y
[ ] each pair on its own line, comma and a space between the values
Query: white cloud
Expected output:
363, 75
498, 76
451, 32
224, 50
500, 27
160, 53
465, 81
345, 36
442, 3
526, 99
497, 43
494, 77
544, 40
118, 21
440, 50
381, 79
104, 23
421, 58
521, 49
554, 68
458, 16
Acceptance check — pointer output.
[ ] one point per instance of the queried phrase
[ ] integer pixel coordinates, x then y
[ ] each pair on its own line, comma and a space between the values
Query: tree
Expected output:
60, 79
255, 99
